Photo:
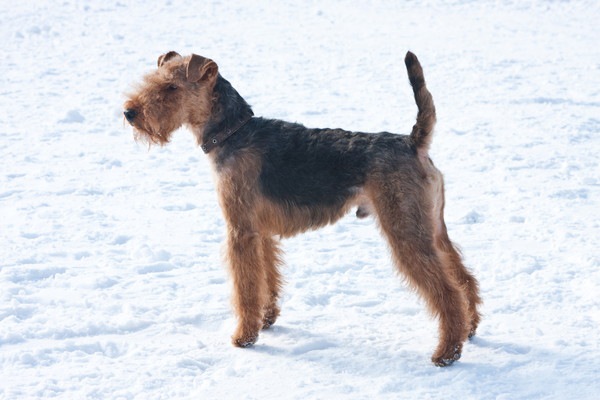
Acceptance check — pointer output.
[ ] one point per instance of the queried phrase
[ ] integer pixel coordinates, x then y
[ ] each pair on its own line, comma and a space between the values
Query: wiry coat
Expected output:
277, 179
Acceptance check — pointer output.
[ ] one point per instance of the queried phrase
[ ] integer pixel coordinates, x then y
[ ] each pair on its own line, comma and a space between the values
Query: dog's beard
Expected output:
150, 132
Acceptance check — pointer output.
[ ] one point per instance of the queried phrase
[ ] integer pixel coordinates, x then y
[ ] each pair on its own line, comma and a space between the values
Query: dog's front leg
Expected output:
249, 284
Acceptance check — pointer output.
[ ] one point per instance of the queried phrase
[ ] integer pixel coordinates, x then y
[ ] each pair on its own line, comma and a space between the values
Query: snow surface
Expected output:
111, 279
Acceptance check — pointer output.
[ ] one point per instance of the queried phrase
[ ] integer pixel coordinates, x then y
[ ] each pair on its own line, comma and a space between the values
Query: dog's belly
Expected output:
287, 219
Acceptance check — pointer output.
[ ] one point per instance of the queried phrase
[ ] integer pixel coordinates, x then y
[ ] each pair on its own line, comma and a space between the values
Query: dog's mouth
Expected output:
145, 129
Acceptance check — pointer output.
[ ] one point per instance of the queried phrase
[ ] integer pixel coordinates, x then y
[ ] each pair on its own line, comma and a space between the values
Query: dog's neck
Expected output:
230, 112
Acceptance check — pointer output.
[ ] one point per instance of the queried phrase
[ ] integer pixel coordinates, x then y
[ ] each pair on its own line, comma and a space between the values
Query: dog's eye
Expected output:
172, 87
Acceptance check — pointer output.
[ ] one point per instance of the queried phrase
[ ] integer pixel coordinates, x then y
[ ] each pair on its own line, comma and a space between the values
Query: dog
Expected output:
276, 179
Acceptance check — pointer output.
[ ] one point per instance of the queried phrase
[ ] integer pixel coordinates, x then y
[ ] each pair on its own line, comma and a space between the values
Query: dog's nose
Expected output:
130, 114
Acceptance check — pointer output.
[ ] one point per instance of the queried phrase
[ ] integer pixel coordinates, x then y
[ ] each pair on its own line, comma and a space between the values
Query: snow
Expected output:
111, 277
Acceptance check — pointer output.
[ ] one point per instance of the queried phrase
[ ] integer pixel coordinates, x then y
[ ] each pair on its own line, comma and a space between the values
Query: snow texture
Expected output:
111, 278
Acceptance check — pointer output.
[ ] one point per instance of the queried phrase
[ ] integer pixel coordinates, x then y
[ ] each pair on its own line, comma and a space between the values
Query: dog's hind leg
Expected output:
403, 218
448, 251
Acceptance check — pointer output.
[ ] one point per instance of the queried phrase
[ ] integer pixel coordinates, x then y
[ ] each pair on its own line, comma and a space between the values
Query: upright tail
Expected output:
422, 130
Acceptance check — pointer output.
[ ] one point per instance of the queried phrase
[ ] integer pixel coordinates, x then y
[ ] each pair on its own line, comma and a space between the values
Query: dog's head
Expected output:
177, 93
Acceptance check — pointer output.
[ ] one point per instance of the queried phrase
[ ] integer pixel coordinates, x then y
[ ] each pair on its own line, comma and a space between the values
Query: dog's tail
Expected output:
422, 130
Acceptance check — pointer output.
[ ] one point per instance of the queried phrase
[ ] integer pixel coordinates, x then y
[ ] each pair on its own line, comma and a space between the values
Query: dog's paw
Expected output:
270, 317
472, 333
246, 333
268, 322
244, 342
448, 357
474, 324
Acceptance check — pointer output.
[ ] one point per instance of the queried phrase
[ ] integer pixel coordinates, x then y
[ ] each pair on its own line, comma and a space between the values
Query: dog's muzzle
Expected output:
130, 114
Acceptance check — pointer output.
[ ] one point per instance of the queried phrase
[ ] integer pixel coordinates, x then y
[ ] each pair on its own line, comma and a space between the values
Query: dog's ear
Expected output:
201, 69
166, 57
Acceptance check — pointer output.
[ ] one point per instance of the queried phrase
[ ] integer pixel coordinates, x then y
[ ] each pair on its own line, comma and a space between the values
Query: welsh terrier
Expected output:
276, 179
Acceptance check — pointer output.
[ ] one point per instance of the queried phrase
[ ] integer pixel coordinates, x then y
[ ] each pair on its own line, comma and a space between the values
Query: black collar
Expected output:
222, 136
